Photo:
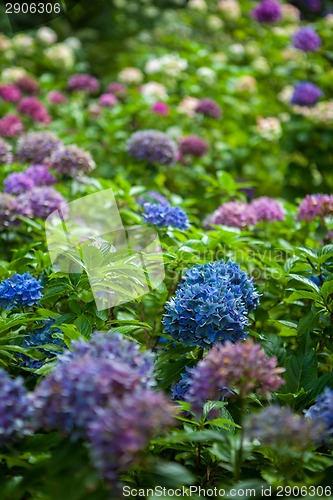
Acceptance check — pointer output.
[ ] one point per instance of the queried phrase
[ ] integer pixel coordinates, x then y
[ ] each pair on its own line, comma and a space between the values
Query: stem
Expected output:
238, 459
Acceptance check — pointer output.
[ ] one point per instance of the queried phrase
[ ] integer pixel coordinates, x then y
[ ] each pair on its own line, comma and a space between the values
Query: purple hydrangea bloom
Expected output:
267, 11
162, 215
306, 39
8, 211
40, 175
83, 83
11, 126
55, 97
119, 432
41, 202
267, 209
107, 100
322, 412
306, 94
18, 182
234, 214
36, 147
32, 107
208, 107
28, 85
15, 409
70, 161
5, 154
117, 89
160, 108
153, 196
315, 205
211, 305
243, 367
282, 429
20, 289
193, 145
152, 146
10, 93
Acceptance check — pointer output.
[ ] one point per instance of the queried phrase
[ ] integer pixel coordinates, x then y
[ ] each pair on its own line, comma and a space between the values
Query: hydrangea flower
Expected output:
267, 11
154, 196
242, 367
41, 202
71, 161
211, 305
11, 126
267, 209
152, 146
36, 147
306, 94
10, 93
55, 97
234, 214
5, 154
28, 85
18, 182
180, 388
322, 412
306, 39
281, 429
8, 211
107, 100
193, 145
315, 205
164, 215
20, 289
208, 107
117, 89
83, 83
15, 409
32, 107
160, 108
40, 175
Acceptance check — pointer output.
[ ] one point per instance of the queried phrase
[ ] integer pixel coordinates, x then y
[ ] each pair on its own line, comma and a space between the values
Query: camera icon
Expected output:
87, 235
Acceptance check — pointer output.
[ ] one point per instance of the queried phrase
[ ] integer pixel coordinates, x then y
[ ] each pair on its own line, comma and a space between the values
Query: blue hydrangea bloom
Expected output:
180, 388
40, 336
322, 412
20, 289
163, 215
211, 305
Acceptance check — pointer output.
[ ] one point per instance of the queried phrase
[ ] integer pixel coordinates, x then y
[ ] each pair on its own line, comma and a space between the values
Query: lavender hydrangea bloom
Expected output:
40, 175
322, 412
162, 215
211, 305
243, 367
8, 211
5, 154
18, 182
208, 107
20, 289
119, 432
193, 145
41, 202
282, 429
70, 161
84, 83
267, 209
306, 39
234, 214
153, 196
315, 205
152, 146
15, 409
267, 11
306, 94
36, 147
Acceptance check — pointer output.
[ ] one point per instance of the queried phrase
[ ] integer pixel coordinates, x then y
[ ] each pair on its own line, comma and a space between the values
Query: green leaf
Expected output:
306, 282
327, 290
301, 366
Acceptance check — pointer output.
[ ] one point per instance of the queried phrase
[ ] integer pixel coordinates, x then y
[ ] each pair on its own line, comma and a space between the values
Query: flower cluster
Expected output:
208, 107
36, 147
55, 97
15, 409
18, 182
267, 11
193, 145
99, 392
5, 154
152, 146
11, 126
234, 214
8, 210
83, 83
306, 39
180, 388
40, 202
315, 205
20, 289
70, 161
32, 107
153, 196
322, 412
306, 94
10, 93
41, 336
211, 305
27, 84
40, 175
164, 215
107, 100
267, 209
281, 429
242, 367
